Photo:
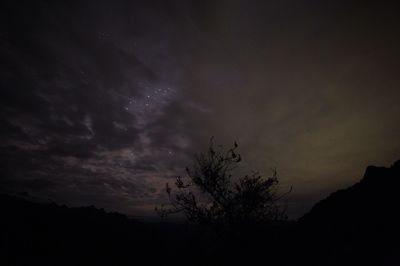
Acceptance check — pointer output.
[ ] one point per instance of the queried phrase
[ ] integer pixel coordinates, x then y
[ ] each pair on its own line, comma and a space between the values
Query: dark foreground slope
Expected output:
49, 234
355, 226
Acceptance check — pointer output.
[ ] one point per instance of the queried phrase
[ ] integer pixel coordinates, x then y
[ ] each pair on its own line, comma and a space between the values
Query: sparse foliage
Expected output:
211, 195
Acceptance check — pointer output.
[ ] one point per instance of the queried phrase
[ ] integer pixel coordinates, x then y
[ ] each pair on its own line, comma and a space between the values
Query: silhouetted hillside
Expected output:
373, 200
359, 224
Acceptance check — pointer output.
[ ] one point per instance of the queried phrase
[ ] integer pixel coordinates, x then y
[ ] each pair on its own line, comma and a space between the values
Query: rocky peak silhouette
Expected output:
357, 225
375, 195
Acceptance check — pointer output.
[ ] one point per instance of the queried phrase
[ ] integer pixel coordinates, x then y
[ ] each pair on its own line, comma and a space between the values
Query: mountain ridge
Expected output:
377, 188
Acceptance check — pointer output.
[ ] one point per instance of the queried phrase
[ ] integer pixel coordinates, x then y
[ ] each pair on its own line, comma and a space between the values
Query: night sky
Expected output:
103, 102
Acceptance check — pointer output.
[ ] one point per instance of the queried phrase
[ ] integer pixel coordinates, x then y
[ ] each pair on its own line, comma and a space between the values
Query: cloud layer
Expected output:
103, 103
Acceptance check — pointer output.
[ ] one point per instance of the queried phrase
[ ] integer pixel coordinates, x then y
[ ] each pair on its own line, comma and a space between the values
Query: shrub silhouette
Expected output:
211, 195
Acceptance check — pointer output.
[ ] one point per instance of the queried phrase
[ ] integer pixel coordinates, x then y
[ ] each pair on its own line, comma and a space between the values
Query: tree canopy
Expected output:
210, 194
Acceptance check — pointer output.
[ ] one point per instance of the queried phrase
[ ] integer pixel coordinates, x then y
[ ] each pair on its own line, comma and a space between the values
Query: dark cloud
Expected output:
103, 102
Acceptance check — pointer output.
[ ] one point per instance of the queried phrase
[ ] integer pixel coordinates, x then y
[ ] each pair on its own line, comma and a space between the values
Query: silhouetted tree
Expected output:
211, 195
